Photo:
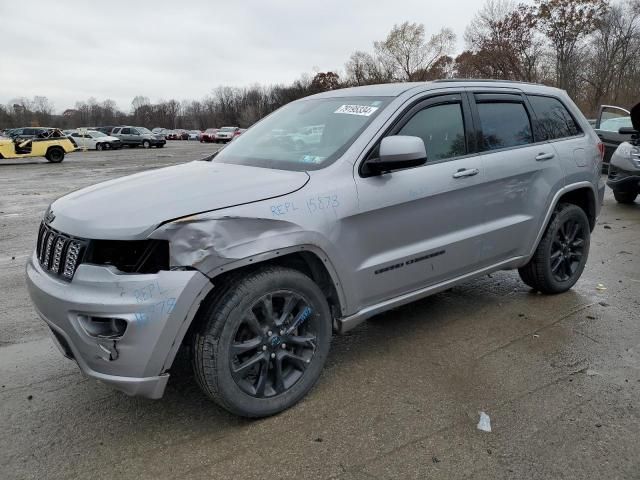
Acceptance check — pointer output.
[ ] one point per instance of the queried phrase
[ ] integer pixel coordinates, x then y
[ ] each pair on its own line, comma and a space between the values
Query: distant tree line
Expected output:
590, 48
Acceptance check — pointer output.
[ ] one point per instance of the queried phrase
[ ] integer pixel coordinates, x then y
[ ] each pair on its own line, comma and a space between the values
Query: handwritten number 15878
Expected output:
322, 203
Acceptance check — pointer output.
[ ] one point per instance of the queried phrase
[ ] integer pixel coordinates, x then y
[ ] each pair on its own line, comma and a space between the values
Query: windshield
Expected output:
304, 135
227, 129
95, 134
144, 130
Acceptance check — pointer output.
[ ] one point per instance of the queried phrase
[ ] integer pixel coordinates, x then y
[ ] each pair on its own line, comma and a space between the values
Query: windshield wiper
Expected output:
210, 157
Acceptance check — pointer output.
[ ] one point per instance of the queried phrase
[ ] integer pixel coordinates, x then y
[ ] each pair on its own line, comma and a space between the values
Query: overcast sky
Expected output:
73, 50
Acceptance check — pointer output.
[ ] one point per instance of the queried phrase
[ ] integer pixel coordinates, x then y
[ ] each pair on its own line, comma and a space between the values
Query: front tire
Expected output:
146, 144
99, 147
263, 342
562, 253
625, 197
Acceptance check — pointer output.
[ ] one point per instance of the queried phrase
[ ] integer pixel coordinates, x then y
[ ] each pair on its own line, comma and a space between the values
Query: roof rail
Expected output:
475, 80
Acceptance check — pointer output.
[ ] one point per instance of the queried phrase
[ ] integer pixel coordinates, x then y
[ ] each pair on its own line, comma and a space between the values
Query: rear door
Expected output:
423, 225
79, 139
90, 142
135, 137
522, 173
125, 136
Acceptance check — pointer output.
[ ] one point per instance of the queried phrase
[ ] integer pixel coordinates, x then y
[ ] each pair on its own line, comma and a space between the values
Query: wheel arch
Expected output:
581, 194
308, 259
585, 198
51, 148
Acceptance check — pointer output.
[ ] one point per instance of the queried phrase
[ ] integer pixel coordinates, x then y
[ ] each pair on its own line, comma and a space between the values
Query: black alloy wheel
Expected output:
262, 341
274, 344
567, 249
561, 255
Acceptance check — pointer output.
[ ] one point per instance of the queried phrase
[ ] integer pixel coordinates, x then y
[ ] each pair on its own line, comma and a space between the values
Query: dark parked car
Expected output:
106, 130
27, 132
608, 124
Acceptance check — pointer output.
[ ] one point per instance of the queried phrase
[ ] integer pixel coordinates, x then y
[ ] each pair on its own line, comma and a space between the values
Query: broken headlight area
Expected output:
130, 256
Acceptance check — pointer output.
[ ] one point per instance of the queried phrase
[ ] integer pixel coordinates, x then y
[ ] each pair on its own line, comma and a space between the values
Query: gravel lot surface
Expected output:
559, 376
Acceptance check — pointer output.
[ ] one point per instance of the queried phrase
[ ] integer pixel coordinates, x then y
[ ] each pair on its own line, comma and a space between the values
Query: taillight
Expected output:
601, 150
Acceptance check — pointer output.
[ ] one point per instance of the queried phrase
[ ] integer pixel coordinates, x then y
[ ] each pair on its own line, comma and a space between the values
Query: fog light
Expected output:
103, 327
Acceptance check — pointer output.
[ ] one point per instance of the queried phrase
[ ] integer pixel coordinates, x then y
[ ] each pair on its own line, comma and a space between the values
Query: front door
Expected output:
420, 226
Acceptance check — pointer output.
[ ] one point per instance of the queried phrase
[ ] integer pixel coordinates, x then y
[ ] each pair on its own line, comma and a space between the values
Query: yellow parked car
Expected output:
49, 143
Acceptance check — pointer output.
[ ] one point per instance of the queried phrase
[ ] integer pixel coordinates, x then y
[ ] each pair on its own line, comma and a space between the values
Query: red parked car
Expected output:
208, 136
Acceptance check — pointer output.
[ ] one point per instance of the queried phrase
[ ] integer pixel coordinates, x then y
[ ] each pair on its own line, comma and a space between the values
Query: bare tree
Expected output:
566, 23
364, 69
406, 52
503, 43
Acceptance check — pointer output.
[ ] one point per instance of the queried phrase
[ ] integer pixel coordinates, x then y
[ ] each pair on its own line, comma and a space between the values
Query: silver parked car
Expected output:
624, 168
138, 136
257, 254
226, 134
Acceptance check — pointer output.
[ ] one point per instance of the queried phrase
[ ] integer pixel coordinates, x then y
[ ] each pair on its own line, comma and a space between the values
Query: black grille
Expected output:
58, 253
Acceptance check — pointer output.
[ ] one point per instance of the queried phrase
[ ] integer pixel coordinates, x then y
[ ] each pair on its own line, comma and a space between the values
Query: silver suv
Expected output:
624, 167
251, 258
138, 136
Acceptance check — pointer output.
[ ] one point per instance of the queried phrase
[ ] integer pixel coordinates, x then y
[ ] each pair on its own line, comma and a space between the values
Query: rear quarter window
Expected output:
553, 120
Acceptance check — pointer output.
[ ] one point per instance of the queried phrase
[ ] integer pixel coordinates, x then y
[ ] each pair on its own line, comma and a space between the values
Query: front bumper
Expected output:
157, 308
623, 180
157, 141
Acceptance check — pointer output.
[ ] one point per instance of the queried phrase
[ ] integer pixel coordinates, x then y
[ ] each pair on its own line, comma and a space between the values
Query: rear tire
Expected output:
55, 155
247, 355
562, 253
625, 197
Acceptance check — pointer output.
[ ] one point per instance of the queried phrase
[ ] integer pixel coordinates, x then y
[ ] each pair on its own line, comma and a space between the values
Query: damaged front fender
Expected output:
206, 243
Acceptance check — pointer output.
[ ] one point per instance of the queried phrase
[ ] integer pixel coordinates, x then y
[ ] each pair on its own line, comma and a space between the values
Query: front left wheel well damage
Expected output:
305, 262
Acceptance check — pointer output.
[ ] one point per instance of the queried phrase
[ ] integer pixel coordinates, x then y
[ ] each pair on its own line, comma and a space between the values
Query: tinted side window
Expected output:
504, 124
552, 119
126, 131
441, 127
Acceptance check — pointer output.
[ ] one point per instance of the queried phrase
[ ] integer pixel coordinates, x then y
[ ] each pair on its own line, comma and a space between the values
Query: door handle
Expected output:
466, 172
544, 156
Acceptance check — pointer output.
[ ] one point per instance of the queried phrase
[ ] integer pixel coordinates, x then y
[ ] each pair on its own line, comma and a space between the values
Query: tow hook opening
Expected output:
103, 327
110, 350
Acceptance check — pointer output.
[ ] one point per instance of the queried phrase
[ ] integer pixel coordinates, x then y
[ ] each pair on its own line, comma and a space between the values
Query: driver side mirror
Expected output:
398, 152
627, 131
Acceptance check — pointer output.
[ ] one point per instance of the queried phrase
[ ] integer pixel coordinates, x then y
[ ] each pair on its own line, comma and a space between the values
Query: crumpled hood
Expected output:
131, 207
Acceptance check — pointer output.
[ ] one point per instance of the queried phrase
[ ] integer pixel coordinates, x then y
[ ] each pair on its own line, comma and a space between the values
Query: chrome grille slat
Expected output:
58, 253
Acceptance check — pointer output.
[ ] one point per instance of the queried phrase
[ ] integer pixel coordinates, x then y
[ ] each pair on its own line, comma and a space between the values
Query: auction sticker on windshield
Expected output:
364, 110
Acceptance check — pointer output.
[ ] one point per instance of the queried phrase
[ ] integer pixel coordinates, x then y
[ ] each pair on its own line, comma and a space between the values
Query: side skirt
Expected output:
345, 324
